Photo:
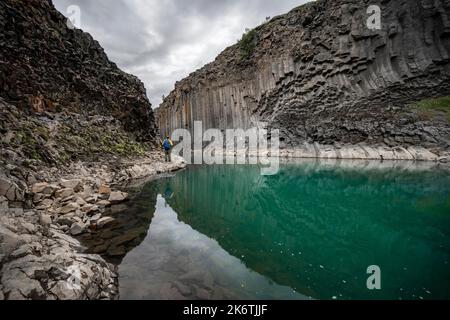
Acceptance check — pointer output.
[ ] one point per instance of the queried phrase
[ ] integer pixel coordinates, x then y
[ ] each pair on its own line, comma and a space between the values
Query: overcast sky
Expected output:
163, 41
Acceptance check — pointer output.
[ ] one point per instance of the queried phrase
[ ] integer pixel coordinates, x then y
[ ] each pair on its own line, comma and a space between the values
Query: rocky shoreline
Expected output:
350, 152
361, 151
41, 258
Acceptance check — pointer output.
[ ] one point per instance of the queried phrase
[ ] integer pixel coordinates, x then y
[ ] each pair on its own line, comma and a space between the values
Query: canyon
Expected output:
76, 130
332, 86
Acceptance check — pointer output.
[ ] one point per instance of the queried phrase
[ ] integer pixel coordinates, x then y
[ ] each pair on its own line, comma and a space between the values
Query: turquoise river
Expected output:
309, 232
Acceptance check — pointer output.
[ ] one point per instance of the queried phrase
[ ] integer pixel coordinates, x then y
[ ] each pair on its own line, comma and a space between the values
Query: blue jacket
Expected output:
167, 144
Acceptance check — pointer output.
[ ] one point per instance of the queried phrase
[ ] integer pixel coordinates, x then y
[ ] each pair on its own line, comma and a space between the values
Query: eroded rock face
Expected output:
47, 67
320, 75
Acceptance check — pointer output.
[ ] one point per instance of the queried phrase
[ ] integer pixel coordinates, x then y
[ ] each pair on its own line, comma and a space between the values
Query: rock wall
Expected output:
47, 67
72, 127
320, 75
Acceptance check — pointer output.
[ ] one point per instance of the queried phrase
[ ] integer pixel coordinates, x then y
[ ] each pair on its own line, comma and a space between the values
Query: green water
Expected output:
312, 230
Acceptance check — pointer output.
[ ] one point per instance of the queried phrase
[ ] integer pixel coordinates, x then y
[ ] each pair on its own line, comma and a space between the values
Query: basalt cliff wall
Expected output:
47, 68
322, 77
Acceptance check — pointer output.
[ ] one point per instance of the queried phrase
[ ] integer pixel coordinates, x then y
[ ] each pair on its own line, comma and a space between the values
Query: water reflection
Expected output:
177, 262
129, 227
226, 232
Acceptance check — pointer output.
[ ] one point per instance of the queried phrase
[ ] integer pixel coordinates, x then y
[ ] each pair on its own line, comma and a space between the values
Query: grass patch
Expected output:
248, 44
428, 108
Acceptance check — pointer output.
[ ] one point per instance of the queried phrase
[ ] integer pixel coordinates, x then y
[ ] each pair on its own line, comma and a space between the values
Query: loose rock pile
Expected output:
39, 256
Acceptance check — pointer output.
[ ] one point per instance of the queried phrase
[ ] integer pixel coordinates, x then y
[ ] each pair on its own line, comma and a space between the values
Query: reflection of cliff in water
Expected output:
131, 225
312, 210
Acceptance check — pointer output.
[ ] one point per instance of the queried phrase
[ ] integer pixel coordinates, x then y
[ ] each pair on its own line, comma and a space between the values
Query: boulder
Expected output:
117, 197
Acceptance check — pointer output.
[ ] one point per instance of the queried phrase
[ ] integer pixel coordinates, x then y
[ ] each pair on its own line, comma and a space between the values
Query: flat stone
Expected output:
71, 207
91, 199
105, 221
117, 197
64, 193
104, 203
96, 217
89, 209
73, 184
76, 229
40, 187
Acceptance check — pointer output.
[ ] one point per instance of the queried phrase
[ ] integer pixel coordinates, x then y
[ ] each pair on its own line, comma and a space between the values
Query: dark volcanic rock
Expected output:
47, 67
320, 75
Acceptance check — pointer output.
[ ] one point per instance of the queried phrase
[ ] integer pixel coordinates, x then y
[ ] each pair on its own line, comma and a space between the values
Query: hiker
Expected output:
167, 146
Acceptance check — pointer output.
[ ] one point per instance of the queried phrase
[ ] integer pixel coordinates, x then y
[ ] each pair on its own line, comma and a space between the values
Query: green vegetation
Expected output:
30, 146
72, 138
428, 108
247, 44
121, 145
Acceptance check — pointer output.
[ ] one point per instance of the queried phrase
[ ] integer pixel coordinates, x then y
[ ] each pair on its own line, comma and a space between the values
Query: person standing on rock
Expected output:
167, 146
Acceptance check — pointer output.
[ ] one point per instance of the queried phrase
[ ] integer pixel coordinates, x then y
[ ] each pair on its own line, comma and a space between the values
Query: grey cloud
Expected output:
162, 41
